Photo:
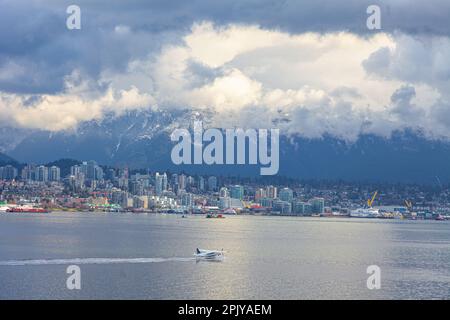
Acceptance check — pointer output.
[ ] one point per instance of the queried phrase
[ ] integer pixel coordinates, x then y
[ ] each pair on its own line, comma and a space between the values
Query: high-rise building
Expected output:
54, 173
92, 170
187, 199
301, 208
271, 192
286, 194
136, 187
120, 197
212, 183
8, 172
160, 183
182, 181
42, 174
140, 202
29, 172
74, 170
318, 205
237, 192
124, 173
224, 193
259, 194
76, 181
84, 169
111, 174
122, 183
174, 182
201, 183
190, 182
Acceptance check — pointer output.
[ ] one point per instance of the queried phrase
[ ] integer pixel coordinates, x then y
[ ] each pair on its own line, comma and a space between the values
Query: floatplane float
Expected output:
202, 254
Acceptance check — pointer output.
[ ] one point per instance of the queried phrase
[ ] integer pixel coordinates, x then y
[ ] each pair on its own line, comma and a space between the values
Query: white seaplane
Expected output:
201, 254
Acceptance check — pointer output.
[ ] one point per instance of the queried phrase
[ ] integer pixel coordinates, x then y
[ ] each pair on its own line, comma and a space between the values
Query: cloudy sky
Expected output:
306, 67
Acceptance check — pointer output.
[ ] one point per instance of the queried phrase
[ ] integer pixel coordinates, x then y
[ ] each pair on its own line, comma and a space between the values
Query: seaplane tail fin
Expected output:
198, 251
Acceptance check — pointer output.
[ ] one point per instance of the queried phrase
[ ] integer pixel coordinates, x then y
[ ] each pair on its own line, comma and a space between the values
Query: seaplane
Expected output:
201, 254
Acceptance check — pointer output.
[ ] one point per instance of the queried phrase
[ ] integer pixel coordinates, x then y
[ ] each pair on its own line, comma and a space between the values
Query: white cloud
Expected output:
263, 77
66, 111
309, 83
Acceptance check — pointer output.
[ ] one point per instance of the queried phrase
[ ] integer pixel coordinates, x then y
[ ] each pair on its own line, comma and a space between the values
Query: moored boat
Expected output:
26, 209
211, 215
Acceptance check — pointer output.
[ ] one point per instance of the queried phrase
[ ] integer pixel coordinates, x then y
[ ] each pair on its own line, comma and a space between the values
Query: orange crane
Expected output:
408, 205
370, 201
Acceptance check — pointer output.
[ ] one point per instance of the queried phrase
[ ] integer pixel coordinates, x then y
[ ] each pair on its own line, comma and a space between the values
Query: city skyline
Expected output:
91, 186
204, 150
349, 88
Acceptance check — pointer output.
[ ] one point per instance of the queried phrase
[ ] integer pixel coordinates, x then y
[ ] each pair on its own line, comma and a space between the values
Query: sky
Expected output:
308, 68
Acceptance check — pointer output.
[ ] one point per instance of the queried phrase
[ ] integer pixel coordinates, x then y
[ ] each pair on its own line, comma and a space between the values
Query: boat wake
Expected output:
89, 261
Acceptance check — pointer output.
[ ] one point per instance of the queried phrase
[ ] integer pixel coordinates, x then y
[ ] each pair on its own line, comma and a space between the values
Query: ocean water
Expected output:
135, 256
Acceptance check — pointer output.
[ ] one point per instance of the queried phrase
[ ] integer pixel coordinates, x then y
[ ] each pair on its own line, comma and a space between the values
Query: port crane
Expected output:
409, 205
367, 211
370, 201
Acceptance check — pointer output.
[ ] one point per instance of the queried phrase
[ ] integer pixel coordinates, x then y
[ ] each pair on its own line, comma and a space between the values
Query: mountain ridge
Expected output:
142, 140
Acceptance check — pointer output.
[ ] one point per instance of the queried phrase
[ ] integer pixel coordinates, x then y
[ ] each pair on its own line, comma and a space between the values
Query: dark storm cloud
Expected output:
289, 15
37, 51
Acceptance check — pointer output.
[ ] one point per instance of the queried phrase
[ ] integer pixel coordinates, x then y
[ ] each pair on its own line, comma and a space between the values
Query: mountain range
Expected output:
5, 160
141, 139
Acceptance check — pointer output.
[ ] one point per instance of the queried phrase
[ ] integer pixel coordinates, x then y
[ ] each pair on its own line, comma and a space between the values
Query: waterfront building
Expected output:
302, 208
230, 203
259, 194
187, 199
130, 202
282, 207
119, 197
266, 202
318, 205
224, 193
224, 202
162, 202
286, 194
140, 202
236, 204
271, 192
237, 192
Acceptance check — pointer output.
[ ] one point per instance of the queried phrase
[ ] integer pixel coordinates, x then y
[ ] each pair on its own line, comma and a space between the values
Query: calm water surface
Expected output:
150, 257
